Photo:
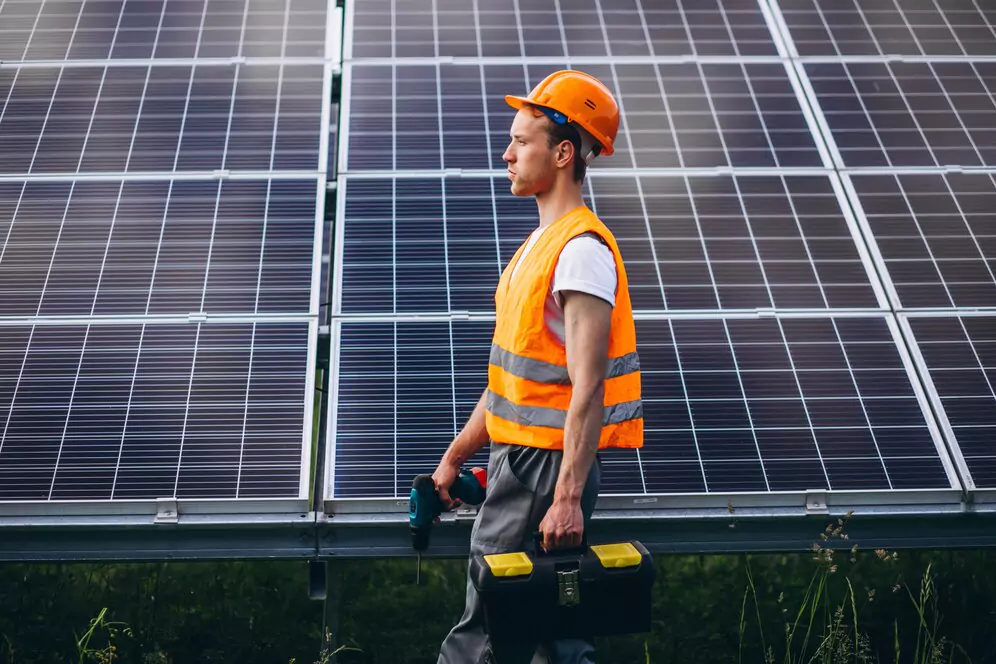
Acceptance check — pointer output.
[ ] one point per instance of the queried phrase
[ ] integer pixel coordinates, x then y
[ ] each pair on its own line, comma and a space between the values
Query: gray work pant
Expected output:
521, 482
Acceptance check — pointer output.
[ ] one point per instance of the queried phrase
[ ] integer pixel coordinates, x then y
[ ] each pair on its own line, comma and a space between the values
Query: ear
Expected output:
564, 151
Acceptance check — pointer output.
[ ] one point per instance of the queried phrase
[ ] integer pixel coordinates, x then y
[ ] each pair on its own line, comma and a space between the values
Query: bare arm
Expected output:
586, 325
468, 442
471, 438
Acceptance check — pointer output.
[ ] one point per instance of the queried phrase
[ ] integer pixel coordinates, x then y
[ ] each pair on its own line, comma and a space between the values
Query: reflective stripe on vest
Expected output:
554, 374
554, 418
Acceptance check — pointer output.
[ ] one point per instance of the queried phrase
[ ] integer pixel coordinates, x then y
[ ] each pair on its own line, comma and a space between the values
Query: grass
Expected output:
823, 630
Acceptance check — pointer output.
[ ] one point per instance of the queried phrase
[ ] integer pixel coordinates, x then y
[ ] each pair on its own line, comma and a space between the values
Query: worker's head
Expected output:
565, 122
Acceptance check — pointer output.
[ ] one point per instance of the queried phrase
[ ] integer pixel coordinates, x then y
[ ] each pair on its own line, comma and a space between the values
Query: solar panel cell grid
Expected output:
936, 236
104, 411
902, 27
128, 119
690, 243
909, 113
730, 405
136, 248
140, 29
574, 28
142, 412
959, 353
673, 115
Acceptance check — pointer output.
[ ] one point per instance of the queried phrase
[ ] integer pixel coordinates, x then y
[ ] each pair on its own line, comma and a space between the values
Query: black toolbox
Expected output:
590, 591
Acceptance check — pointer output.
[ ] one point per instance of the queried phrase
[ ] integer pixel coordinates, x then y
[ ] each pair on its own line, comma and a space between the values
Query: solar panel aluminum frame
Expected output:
195, 511
980, 500
348, 28
161, 62
796, 78
819, 119
667, 506
779, 29
334, 35
853, 224
326, 123
159, 176
318, 251
333, 67
885, 59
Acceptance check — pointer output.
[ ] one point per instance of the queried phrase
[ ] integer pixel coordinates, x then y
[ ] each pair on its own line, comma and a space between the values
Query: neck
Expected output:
557, 202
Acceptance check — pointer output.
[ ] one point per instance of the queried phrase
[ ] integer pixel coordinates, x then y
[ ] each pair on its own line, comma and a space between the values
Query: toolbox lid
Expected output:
623, 554
509, 564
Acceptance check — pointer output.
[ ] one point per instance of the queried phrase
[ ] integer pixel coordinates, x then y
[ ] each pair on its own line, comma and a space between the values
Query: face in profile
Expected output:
531, 160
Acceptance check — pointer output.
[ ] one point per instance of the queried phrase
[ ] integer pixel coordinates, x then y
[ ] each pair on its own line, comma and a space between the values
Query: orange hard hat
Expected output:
578, 98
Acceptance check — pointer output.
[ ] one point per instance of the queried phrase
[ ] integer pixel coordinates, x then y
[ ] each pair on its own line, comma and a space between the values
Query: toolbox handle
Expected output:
577, 550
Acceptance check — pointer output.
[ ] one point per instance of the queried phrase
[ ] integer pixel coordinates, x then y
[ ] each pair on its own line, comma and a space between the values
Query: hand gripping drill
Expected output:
425, 504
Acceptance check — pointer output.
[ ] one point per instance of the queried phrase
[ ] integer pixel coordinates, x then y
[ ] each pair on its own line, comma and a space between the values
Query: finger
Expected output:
444, 495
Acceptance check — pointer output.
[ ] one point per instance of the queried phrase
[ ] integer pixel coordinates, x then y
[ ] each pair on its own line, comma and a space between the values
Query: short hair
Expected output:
557, 133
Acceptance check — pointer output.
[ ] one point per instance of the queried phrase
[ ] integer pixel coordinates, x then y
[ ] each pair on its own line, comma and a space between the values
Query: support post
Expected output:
330, 617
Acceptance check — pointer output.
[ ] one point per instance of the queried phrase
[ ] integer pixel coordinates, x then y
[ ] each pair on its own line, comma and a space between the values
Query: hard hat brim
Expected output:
516, 102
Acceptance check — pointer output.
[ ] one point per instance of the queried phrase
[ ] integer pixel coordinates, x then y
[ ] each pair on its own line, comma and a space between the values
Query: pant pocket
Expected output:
503, 517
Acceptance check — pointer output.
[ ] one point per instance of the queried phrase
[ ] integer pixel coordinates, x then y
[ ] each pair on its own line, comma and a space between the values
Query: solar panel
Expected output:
734, 404
897, 27
689, 115
160, 118
766, 285
117, 248
139, 29
142, 411
567, 28
958, 354
690, 242
161, 210
935, 235
898, 114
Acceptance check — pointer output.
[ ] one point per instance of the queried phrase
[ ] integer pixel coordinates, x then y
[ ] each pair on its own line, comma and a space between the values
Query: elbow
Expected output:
589, 393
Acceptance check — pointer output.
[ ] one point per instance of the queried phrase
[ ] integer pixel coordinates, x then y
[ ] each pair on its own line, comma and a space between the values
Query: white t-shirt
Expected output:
586, 265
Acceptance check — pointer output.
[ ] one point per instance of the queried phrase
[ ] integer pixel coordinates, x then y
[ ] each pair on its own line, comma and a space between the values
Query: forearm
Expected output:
471, 438
581, 434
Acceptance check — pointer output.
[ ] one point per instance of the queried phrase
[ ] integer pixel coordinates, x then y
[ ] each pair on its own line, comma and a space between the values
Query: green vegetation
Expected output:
828, 606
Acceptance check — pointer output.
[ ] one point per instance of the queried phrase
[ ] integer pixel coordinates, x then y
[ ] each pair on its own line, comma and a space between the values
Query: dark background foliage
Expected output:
260, 611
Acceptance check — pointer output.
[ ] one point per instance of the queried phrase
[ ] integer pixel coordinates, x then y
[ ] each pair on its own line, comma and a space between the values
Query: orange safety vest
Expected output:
529, 389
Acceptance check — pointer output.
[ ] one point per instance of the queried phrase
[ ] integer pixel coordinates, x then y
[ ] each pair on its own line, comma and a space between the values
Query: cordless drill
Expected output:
425, 504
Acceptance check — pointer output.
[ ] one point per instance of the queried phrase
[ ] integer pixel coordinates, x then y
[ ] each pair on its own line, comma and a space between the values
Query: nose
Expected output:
508, 157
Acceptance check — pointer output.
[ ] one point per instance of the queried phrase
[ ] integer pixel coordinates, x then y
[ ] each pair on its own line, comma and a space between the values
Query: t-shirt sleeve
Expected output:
586, 265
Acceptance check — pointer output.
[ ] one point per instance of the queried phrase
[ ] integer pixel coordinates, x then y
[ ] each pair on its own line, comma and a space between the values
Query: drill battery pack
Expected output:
590, 591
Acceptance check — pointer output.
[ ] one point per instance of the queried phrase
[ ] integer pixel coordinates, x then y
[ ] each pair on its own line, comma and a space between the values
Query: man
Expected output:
563, 375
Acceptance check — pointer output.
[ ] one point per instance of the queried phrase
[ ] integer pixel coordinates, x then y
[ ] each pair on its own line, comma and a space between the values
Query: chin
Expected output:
518, 190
